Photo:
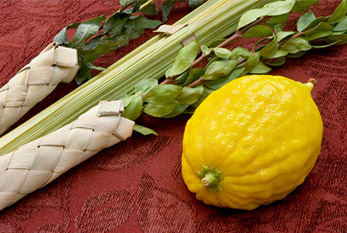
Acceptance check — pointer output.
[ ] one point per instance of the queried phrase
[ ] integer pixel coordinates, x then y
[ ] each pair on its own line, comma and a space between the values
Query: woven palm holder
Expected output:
39, 162
35, 81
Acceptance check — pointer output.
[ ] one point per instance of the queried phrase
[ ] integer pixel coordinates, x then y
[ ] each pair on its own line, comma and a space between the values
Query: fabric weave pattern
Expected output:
136, 185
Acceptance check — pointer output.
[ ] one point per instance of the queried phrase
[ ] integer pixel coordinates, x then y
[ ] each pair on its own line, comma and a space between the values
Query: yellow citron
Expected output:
251, 142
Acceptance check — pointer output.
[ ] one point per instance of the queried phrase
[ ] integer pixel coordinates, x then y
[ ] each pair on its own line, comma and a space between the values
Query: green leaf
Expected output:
177, 111
251, 16
297, 55
115, 23
305, 20
218, 83
257, 31
190, 95
182, 78
135, 27
84, 74
322, 26
270, 9
166, 8
252, 61
132, 31
144, 130
125, 3
205, 93
219, 69
296, 45
162, 94
194, 74
255, 47
167, 72
134, 109
129, 11
318, 35
260, 68
222, 52
279, 53
277, 62
91, 66
280, 20
141, 22
100, 46
323, 29
341, 26
150, 9
146, 85
270, 49
136, 4
189, 110
85, 30
126, 98
303, 5
160, 110
280, 7
277, 29
284, 34
339, 14
339, 39
308, 20
339, 33
185, 58
280, 35
205, 50
216, 42
324, 46
240, 52
61, 37
195, 3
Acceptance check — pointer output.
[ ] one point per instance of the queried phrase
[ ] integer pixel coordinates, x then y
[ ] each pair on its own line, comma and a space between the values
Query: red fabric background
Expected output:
136, 186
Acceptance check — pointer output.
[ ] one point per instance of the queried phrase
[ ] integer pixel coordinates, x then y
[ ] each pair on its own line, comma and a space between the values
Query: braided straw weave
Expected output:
35, 81
37, 163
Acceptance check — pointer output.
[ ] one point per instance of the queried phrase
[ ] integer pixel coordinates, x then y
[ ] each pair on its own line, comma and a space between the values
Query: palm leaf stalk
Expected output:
213, 20
40, 161
63, 60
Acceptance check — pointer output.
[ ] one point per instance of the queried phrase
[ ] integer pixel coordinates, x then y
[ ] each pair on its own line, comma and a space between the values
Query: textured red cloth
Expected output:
137, 186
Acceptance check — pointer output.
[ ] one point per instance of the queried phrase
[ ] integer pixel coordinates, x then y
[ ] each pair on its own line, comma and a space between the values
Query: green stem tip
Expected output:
210, 178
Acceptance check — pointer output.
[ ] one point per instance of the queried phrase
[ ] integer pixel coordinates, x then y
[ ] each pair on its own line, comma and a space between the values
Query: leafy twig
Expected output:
185, 86
239, 33
99, 36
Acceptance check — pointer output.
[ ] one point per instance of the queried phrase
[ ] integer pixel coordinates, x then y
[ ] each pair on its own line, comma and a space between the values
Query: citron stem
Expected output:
311, 83
209, 179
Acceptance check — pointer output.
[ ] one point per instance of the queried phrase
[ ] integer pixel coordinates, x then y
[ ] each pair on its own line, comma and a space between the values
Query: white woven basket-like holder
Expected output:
37, 163
35, 81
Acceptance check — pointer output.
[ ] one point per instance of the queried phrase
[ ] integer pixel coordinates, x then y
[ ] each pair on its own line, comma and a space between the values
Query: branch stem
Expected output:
238, 33
201, 80
146, 4
291, 37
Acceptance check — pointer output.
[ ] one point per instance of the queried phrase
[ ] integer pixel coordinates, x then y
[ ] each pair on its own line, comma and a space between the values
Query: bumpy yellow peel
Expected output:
260, 134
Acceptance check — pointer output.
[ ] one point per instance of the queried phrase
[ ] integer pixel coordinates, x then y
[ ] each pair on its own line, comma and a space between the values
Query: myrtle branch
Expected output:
238, 34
